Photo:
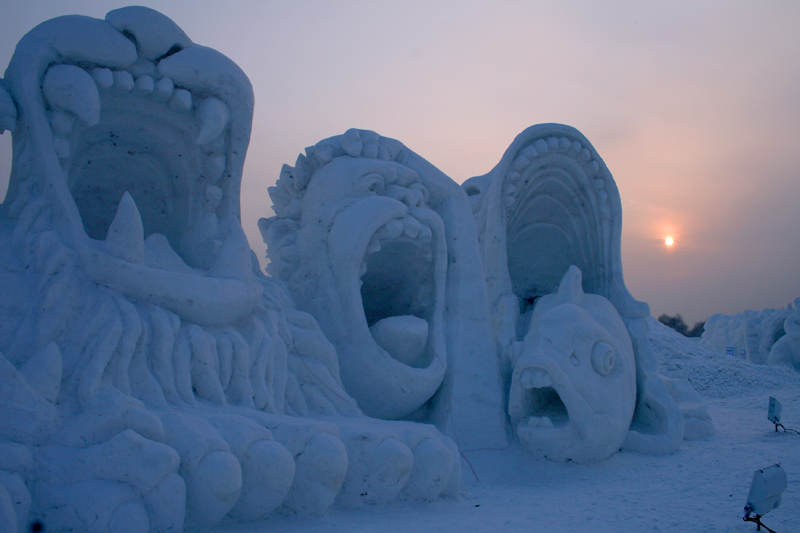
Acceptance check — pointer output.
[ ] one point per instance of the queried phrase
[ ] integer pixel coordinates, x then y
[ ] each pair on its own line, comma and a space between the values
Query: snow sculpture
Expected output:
573, 388
151, 377
548, 204
379, 246
787, 348
148, 369
751, 334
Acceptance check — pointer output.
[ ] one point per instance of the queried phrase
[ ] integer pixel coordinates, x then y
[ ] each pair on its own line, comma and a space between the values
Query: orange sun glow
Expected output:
669, 241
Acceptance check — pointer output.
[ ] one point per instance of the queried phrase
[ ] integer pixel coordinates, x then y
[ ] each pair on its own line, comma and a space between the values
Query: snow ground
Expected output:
701, 487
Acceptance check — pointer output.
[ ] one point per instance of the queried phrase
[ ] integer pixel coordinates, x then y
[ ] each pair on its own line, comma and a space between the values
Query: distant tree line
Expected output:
676, 322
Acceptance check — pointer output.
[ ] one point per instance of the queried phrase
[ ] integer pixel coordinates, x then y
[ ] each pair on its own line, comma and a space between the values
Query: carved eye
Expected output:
603, 358
373, 183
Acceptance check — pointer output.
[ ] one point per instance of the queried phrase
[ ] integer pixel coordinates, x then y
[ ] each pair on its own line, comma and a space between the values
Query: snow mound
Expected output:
713, 375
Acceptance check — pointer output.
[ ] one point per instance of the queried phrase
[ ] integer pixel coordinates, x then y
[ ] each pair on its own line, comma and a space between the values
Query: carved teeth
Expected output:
181, 101
521, 162
374, 246
425, 234
163, 90
126, 235
393, 229
215, 166
144, 85
103, 78
535, 378
411, 226
530, 152
214, 116
123, 81
70, 88
541, 146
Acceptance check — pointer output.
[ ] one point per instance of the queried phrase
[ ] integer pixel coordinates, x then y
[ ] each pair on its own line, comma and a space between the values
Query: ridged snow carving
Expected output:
549, 216
152, 378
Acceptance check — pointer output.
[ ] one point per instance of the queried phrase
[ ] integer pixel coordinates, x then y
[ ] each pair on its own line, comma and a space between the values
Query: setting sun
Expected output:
669, 241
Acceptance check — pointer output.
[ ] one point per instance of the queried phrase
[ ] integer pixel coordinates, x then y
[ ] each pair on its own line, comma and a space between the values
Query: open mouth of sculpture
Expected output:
151, 155
399, 278
556, 202
145, 143
545, 235
543, 406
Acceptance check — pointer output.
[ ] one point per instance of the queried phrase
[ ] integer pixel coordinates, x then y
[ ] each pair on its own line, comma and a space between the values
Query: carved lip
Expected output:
396, 276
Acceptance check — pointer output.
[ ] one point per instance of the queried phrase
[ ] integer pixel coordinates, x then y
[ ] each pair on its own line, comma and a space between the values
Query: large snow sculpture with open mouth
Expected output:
359, 228
131, 105
380, 247
551, 203
148, 368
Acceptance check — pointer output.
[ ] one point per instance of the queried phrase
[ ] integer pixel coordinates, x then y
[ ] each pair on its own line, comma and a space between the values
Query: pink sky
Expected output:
693, 106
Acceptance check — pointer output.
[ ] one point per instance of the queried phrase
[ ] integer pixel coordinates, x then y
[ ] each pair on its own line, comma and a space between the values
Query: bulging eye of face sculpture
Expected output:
138, 137
379, 254
573, 388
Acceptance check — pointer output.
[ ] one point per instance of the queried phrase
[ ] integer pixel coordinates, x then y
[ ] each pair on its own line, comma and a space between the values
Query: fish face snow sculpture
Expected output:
365, 255
573, 389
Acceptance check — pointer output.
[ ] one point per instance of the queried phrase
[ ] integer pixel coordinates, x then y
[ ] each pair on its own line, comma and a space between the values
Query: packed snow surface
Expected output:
701, 487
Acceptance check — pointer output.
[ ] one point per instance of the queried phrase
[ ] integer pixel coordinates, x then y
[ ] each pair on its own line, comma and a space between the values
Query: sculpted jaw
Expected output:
140, 148
386, 258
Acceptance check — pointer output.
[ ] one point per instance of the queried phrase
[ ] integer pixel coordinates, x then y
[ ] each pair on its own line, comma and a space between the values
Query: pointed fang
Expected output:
214, 116
126, 235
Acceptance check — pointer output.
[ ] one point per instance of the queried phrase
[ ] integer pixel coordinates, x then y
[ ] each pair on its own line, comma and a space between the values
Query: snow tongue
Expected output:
404, 337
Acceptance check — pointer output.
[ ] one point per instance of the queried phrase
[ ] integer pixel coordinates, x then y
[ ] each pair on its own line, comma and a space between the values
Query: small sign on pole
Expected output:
729, 351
